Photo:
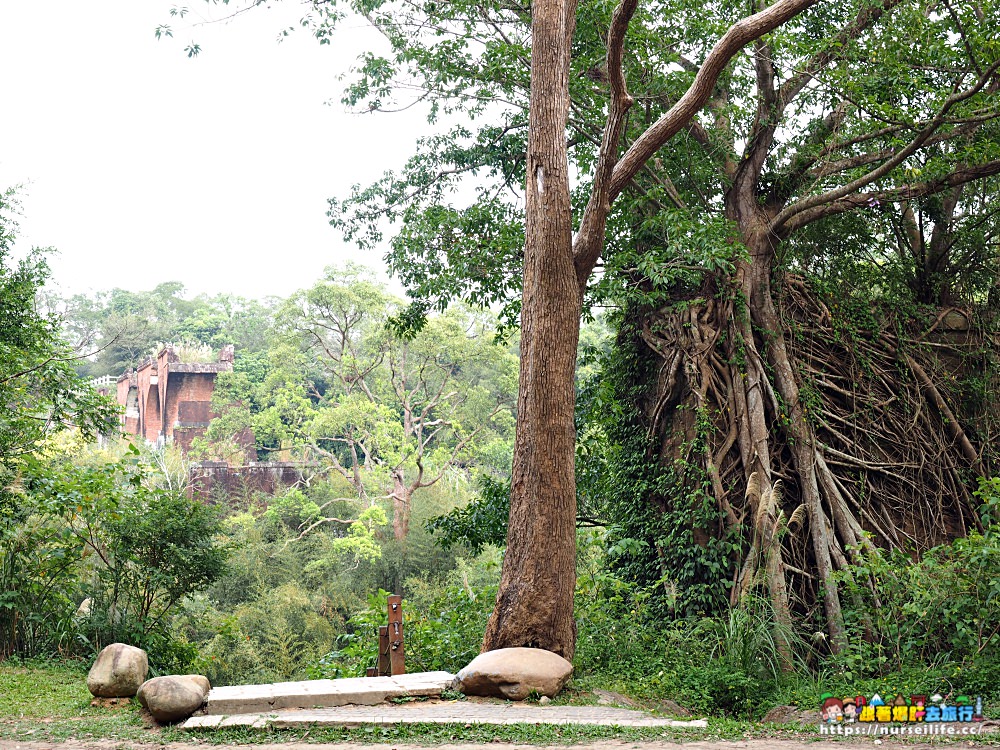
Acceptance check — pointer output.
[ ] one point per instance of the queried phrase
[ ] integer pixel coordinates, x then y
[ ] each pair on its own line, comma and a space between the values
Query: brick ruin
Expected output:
166, 400
170, 401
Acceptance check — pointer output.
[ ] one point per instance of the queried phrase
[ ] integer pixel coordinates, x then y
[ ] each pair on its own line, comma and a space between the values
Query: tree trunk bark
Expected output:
534, 605
401, 497
802, 444
756, 275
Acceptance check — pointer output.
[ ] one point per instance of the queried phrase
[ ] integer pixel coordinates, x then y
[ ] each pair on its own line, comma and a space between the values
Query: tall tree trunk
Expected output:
801, 437
755, 276
534, 605
401, 504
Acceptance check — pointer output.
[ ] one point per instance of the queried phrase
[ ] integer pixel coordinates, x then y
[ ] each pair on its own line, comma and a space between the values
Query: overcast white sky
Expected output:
142, 166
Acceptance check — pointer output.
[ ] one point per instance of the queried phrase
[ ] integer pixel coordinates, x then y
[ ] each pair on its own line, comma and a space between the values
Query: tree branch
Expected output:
590, 238
781, 222
766, 118
902, 193
739, 35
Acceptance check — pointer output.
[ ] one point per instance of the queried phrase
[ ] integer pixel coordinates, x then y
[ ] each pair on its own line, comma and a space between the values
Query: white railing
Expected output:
104, 380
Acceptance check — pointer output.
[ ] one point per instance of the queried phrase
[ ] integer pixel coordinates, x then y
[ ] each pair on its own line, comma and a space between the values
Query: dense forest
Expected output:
780, 333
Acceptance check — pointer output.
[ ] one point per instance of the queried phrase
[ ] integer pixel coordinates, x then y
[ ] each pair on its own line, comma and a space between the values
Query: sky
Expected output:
140, 165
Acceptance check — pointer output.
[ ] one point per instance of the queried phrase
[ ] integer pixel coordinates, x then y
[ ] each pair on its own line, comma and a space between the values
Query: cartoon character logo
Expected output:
850, 710
833, 710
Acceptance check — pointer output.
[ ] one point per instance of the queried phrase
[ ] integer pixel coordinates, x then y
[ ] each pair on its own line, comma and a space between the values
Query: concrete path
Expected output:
442, 712
366, 700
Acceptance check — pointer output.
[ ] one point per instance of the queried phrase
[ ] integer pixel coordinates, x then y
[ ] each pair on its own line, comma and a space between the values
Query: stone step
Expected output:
364, 691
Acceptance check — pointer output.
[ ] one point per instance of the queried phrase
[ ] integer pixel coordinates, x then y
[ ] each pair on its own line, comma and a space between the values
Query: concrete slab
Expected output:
218, 721
258, 722
239, 699
205, 722
363, 691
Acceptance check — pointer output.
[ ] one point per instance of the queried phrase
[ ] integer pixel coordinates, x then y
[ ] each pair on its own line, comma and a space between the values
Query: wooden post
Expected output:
396, 662
383, 651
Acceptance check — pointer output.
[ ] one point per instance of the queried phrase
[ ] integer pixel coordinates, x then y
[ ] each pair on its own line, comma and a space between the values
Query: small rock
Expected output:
118, 671
544, 700
515, 673
670, 708
955, 320
173, 697
610, 698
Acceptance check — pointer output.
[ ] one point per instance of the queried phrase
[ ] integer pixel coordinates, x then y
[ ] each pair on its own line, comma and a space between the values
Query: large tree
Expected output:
534, 604
843, 107
861, 119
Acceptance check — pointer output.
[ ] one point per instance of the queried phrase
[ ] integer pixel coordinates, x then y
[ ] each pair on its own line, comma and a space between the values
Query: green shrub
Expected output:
726, 665
444, 618
945, 606
980, 677
39, 579
100, 530
445, 633
272, 638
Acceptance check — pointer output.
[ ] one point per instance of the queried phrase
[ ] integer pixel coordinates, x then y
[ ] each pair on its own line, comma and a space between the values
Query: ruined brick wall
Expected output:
148, 401
166, 400
217, 481
187, 405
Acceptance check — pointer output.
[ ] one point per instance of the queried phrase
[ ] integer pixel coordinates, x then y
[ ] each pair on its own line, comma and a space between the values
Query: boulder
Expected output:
83, 611
515, 673
201, 681
118, 671
173, 697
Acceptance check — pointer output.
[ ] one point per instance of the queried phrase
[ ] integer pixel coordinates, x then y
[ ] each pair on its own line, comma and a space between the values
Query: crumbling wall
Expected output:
165, 400
218, 481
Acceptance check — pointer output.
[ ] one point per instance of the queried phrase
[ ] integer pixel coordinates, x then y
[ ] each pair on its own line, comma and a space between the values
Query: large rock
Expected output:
201, 681
118, 672
173, 697
514, 673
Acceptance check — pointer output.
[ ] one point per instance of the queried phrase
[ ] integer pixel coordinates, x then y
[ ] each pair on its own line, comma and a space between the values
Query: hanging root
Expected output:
872, 452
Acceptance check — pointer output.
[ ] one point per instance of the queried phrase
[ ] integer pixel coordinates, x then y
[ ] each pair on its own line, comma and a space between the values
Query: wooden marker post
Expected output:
395, 636
383, 650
